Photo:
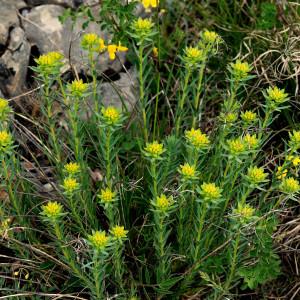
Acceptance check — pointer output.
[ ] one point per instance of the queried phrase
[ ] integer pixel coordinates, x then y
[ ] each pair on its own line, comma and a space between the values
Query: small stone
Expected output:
48, 187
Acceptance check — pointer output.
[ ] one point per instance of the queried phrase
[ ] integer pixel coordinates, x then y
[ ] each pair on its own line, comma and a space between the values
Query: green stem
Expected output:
142, 93
197, 102
154, 177
201, 216
107, 157
182, 100
233, 261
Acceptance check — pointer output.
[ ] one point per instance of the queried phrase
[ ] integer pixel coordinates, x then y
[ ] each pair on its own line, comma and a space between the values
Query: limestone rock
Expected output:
15, 61
9, 17
44, 30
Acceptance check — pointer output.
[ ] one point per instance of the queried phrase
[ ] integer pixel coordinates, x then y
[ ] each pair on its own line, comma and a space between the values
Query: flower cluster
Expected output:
295, 160
163, 203
210, 37
210, 191
230, 117
72, 168
276, 95
290, 186
249, 116
99, 241
244, 213
77, 88
49, 63
5, 110
119, 233
92, 42
197, 139
70, 185
251, 141
5, 141
193, 56
52, 210
294, 142
188, 171
240, 70
142, 28
111, 115
256, 175
107, 196
236, 146
154, 150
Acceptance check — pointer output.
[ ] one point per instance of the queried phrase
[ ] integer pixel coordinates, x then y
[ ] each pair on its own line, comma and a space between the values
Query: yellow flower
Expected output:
210, 37
70, 185
78, 87
296, 161
236, 146
230, 117
244, 212
155, 149
50, 62
248, 116
99, 240
4, 226
210, 191
277, 95
119, 232
294, 139
52, 210
155, 51
187, 170
240, 70
49, 59
197, 139
72, 168
3, 105
251, 141
89, 40
256, 175
111, 115
281, 173
113, 49
163, 203
107, 195
290, 185
193, 55
150, 3
5, 138
142, 27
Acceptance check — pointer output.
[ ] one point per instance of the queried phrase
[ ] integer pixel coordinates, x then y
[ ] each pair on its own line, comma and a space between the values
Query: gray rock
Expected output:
44, 30
9, 17
15, 59
66, 3
122, 91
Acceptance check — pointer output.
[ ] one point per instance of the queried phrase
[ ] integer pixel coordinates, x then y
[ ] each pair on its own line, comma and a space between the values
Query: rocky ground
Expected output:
30, 28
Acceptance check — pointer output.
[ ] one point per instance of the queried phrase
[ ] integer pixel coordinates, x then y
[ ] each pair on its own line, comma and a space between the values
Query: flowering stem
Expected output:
142, 92
201, 212
181, 204
182, 100
154, 177
94, 80
160, 246
50, 122
197, 103
68, 256
107, 156
233, 261
99, 273
118, 263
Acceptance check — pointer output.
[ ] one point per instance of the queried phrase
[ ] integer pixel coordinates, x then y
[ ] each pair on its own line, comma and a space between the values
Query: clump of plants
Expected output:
178, 209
